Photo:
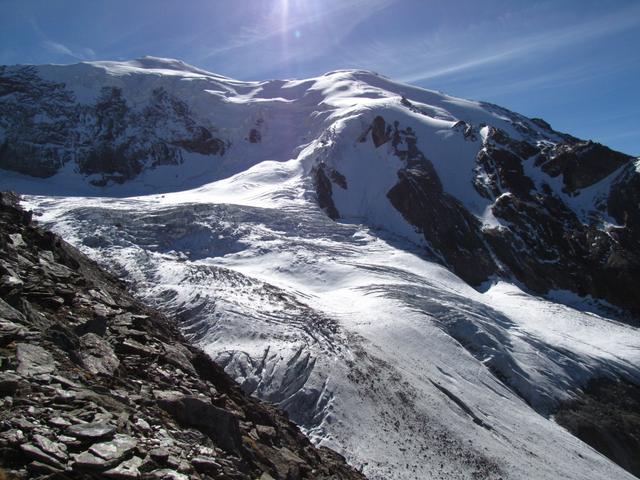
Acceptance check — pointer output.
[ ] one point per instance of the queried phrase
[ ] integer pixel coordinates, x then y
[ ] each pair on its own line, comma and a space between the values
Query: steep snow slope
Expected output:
356, 327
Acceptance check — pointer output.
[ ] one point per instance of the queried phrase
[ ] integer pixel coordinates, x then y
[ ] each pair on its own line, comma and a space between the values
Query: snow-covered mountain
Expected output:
419, 280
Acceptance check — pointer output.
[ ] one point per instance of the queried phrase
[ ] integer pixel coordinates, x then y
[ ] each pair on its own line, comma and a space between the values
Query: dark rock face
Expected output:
624, 204
200, 413
45, 129
563, 253
255, 136
379, 133
322, 176
546, 246
500, 170
607, 417
452, 232
541, 123
25, 97
468, 131
99, 386
581, 164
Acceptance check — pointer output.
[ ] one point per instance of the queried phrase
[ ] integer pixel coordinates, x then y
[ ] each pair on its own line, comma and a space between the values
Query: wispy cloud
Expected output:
59, 48
624, 134
438, 54
564, 76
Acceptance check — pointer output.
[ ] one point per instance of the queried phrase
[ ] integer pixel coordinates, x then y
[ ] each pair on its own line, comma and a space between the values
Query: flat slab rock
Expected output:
167, 474
116, 449
92, 431
34, 360
89, 461
128, 469
97, 356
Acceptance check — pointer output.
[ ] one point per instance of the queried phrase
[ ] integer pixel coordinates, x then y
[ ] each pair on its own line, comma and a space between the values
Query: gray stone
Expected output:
55, 449
197, 412
97, 356
70, 441
266, 431
9, 315
160, 455
90, 462
54, 269
174, 462
142, 424
92, 431
13, 436
37, 454
23, 423
128, 469
9, 383
40, 468
168, 395
34, 360
129, 345
290, 456
118, 448
63, 396
59, 422
205, 464
9, 282
65, 381
167, 474
103, 297
179, 356
17, 240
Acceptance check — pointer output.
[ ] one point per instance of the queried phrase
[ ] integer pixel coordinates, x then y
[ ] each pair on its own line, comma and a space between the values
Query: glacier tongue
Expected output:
375, 351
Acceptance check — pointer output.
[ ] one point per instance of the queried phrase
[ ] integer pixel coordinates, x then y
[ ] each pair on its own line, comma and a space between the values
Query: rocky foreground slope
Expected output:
96, 385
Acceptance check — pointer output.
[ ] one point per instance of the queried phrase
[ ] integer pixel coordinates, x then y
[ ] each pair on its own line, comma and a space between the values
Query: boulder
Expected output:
117, 449
34, 360
92, 431
97, 356
198, 412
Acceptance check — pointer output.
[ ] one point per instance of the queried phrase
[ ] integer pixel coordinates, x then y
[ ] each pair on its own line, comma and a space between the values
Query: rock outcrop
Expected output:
45, 128
93, 384
607, 417
541, 241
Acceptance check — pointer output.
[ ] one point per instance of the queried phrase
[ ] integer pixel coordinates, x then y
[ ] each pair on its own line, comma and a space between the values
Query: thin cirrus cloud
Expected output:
527, 47
58, 48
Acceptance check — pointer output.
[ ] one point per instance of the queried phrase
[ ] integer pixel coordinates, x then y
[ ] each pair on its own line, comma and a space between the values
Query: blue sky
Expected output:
575, 63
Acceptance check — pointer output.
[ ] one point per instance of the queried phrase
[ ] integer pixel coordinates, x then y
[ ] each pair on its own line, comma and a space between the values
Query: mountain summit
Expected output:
421, 281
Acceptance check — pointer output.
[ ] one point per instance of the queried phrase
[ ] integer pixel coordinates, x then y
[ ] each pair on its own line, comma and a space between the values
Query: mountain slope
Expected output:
521, 200
360, 252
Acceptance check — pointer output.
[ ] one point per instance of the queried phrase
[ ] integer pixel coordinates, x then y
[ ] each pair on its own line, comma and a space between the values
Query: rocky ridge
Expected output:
96, 385
540, 240
108, 138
